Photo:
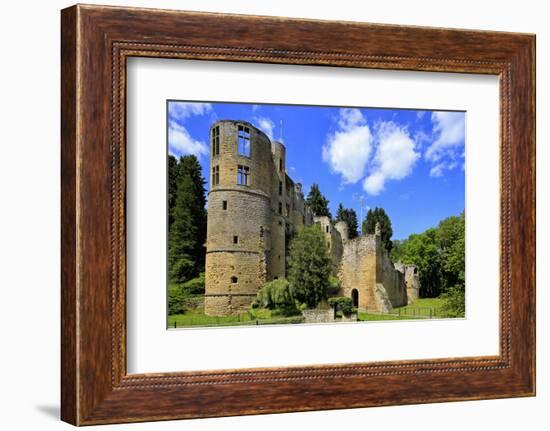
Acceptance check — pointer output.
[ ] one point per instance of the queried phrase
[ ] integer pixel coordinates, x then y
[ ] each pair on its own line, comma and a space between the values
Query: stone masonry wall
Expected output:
358, 270
248, 225
392, 280
334, 242
366, 267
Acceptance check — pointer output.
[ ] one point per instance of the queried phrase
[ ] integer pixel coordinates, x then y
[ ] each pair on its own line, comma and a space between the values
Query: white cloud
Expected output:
421, 138
266, 125
374, 183
180, 141
449, 127
395, 157
350, 117
255, 108
182, 110
347, 150
437, 170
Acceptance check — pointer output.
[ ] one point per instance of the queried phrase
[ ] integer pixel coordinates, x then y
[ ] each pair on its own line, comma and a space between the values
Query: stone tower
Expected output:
239, 216
253, 209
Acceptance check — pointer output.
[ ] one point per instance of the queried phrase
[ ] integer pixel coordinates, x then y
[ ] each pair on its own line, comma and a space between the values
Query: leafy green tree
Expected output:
317, 202
396, 253
309, 266
451, 233
349, 216
187, 233
439, 254
423, 251
378, 215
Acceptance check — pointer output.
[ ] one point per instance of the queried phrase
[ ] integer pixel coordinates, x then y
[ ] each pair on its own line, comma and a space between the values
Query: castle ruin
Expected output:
254, 207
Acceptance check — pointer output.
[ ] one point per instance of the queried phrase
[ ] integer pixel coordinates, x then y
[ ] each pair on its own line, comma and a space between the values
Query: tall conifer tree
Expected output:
317, 202
378, 215
349, 216
187, 232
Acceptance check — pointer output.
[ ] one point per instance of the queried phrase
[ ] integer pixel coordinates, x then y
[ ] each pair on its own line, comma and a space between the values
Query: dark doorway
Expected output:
355, 298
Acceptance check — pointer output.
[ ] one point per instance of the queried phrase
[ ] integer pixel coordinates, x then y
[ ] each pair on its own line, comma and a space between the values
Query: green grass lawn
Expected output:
257, 317
428, 307
362, 316
422, 308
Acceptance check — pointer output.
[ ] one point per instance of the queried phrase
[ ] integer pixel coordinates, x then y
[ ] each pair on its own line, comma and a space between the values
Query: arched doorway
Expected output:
355, 298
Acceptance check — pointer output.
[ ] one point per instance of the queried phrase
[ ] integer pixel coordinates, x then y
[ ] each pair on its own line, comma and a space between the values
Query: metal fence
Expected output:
421, 312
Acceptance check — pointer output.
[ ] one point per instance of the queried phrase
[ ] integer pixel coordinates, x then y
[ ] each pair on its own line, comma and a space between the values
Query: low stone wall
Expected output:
349, 318
316, 315
195, 303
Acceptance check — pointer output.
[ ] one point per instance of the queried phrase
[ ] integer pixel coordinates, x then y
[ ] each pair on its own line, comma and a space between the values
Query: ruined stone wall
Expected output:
366, 267
358, 270
342, 228
392, 280
298, 216
412, 280
334, 242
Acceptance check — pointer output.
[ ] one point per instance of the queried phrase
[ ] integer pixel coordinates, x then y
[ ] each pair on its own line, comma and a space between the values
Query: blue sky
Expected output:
409, 162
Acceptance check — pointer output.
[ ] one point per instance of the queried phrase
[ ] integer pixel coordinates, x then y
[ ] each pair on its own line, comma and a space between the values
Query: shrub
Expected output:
277, 295
195, 286
454, 304
342, 303
176, 298
333, 286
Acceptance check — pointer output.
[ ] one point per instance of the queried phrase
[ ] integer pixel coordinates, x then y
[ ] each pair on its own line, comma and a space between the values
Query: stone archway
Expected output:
355, 297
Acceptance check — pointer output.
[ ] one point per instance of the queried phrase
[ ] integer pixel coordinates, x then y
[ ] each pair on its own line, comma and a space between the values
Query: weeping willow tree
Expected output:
277, 295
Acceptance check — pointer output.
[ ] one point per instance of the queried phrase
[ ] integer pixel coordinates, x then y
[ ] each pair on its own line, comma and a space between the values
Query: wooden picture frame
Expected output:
95, 43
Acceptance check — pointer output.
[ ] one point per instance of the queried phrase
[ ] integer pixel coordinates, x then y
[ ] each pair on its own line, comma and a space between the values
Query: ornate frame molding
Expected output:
96, 41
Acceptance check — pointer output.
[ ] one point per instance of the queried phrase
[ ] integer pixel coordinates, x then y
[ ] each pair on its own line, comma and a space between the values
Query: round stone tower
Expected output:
239, 216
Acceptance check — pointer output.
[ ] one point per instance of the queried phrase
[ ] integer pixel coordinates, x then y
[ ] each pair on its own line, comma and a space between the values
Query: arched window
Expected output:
234, 279
243, 141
